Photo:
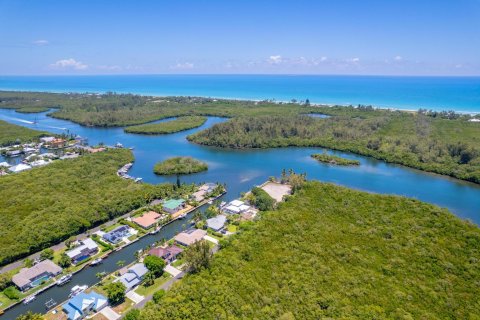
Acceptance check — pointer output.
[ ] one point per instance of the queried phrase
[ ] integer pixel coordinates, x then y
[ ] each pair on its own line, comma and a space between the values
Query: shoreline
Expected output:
272, 100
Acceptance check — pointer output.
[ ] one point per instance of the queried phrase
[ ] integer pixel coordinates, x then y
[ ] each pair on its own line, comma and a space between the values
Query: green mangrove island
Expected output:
177, 125
179, 165
330, 252
331, 159
12, 134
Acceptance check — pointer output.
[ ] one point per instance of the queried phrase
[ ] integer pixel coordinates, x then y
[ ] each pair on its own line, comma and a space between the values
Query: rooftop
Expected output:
26, 275
147, 219
190, 236
173, 203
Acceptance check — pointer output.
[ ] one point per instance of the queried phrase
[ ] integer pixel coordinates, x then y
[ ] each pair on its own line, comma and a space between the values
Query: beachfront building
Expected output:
236, 207
173, 205
133, 276
31, 277
83, 305
85, 250
147, 220
169, 254
217, 223
189, 237
116, 235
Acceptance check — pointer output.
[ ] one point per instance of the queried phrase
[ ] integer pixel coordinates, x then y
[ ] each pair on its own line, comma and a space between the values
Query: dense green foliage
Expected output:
12, 293
445, 146
12, 134
133, 314
158, 295
180, 165
115, 292
262, 200
331, 159
334, 253
179, 124
155, 265
30, 316
197, 256
46, 205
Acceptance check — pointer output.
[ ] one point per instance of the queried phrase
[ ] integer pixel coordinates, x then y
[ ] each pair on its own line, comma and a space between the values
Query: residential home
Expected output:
173, 205
116, 235
189, 237
47, 139
169, 254
31, 277
133, 276
147, 220
236, 207
217, 223
86, 249
84, 304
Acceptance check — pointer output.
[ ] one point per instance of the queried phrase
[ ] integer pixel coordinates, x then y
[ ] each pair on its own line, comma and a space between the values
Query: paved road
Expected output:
61, 245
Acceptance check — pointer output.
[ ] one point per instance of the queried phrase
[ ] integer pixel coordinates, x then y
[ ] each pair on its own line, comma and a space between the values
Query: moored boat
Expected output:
96, 262
76, 290
29, 299
64, 279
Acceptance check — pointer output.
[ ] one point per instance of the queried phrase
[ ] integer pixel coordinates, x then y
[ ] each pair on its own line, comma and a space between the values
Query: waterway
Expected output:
241, 170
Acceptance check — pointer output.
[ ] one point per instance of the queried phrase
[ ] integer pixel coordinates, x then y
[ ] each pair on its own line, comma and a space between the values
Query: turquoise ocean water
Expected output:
461, 94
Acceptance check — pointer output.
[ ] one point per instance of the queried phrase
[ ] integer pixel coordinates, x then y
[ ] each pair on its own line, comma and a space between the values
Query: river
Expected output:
241, 170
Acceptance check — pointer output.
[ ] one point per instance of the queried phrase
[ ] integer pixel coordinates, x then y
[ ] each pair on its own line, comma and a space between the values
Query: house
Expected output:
474, 120
57, 143
31, 277
200, 195
217, 223
169, 254
208, 187
189, 237
14, 153
20, 167
204, 191
133, 276
116, 235
86, 249
236, 207
84, 304
173, 205
147, 220
47, 139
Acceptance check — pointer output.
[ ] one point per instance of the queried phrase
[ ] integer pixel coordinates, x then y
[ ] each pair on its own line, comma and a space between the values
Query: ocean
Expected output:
461, 94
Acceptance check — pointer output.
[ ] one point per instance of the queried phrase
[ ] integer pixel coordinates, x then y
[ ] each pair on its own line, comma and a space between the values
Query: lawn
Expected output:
146, 291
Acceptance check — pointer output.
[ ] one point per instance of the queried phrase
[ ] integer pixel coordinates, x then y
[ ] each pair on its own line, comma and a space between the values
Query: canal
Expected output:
241, 170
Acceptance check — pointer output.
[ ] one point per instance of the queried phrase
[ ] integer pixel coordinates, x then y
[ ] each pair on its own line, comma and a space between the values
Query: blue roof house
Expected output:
84, 304
116, 235
217, 223
133, 276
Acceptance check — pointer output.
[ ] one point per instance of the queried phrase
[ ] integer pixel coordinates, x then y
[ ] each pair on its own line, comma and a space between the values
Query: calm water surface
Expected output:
241, 170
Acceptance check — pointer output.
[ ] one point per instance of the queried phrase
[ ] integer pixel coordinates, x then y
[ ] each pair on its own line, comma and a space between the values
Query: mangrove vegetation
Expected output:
172, 126
335, 160
179, 165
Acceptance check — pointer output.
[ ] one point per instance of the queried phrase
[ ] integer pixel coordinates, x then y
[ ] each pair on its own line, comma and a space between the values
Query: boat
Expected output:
182, 216
119, 145
157, 230
64, 279
96, 262
210, 202
50, 303
76, 290
29, 299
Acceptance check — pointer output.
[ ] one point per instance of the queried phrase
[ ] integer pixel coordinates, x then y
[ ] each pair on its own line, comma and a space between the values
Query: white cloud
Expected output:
323, 59
183, 66
275, 59
110, 68
353, 60
398, 58
69, 64
40, 42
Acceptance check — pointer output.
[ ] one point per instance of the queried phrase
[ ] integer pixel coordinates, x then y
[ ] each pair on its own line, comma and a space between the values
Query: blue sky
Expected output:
391, 37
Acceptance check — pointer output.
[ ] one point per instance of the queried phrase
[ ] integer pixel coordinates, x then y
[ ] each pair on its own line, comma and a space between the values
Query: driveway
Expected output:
172, 270
135, 297
110, 314
211, 239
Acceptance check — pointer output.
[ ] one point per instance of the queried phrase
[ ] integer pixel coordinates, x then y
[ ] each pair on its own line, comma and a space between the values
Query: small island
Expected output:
330, 159
179, 165
177, 125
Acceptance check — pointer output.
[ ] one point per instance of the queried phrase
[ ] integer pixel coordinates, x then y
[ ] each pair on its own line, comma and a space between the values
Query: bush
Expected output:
157, 296
133, 314
12, 293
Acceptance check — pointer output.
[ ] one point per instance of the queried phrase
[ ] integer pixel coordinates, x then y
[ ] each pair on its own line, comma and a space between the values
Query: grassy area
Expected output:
12, 134
179, 165
444, 146
334, 253
232, 228
177, 263
179, 124
46, 205
146, 291
331, 159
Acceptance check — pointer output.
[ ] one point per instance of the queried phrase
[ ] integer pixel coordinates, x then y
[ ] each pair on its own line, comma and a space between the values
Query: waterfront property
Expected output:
133, 276
189, 237
173, 205
236, 207
86, 249
169, 254
19, 167
116, 235
31, 277
203, 191
83, 305
277, 190
217, 223
147, 220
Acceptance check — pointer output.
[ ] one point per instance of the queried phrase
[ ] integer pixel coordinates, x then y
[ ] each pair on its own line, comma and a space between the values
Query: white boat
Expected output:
210, 202
76, 290
182, 216
157, 230
96, 262
29, 299
64, 279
